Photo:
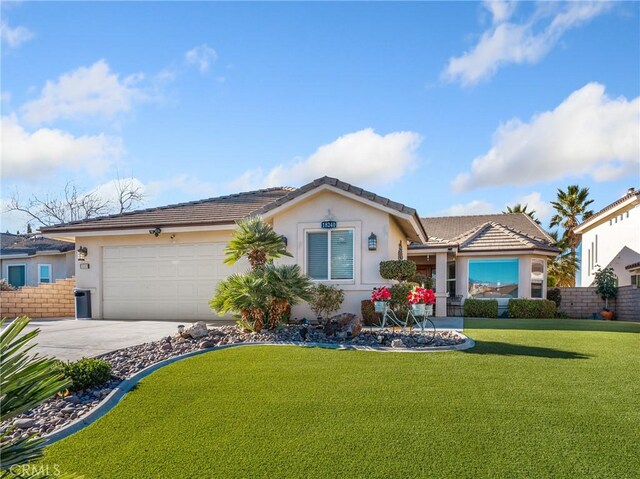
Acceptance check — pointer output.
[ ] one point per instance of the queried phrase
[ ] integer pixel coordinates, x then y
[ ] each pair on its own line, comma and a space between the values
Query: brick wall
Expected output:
583, 302
52, 300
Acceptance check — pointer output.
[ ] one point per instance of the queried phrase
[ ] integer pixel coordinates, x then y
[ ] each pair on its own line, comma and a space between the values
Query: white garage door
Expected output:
162, 282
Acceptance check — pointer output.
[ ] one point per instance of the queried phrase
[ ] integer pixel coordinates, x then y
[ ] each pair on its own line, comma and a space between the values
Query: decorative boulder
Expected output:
198, 330
348, 323
205, 344
397, 343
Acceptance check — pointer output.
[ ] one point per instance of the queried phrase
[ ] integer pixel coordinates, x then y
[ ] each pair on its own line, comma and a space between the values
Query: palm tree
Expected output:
571, 210
25, 381
518, 208
257, 241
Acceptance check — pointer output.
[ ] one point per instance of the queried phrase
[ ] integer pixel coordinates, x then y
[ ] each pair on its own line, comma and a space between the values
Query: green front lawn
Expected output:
533, 399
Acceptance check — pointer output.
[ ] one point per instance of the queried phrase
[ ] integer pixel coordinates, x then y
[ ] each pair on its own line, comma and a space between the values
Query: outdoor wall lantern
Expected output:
284, 240
82, 253
373, 242
155, 231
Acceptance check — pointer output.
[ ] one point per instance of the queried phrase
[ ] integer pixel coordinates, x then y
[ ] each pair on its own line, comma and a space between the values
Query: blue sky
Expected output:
451, 108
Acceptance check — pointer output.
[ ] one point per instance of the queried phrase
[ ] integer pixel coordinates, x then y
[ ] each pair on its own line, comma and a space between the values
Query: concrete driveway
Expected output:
71, 339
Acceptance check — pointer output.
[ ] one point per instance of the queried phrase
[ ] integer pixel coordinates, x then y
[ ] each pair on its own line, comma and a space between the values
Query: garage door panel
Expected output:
162, 281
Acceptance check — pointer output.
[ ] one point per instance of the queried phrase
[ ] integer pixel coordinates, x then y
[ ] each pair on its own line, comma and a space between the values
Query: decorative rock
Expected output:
205, 344
24, 423
397, 343
166, 347
198, 330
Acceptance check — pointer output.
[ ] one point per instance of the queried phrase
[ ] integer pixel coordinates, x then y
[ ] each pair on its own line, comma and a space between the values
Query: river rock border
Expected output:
89, 406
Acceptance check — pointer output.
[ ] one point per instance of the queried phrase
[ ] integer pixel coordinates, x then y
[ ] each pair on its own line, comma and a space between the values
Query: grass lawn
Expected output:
557, 398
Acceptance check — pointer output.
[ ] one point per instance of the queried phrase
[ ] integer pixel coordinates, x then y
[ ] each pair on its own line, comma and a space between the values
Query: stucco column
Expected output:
441, 284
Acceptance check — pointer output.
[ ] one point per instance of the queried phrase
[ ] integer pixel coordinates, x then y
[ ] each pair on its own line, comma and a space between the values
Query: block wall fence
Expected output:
50, 300
583, 302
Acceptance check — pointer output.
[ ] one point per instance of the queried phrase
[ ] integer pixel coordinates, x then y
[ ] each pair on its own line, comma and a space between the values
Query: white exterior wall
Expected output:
614, 241
91, 278
295, 221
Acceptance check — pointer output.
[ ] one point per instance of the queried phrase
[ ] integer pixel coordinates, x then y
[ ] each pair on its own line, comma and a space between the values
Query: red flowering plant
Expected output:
381, 294
420, 295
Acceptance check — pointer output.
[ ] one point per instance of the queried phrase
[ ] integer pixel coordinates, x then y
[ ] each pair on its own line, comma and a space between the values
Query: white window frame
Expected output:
48, 265
24, 265
328, 232
541, 262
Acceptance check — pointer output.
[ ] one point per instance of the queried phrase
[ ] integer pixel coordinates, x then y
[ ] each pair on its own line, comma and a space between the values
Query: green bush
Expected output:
553, 294
85, 373
369, 315
422, 280
400, 269
480, 308
532, 308
399, 302
325, 300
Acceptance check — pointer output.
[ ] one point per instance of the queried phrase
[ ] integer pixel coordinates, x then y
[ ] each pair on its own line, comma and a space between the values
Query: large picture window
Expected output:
493, 278
330, 254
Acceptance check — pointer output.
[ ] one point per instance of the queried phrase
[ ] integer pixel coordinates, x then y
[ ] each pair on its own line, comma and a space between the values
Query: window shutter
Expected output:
342, 254
317, 256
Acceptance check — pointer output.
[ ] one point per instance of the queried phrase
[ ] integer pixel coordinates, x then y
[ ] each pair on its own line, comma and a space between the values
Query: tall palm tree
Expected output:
257, 241
571, 210
518, 208
561, 270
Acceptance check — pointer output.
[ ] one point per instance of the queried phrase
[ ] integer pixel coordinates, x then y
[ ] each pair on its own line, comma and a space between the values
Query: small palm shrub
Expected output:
480, 308
85, 373
257, 241
325, 300
532, 308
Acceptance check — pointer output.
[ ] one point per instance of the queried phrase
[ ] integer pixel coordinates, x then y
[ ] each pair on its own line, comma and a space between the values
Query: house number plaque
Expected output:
329, 224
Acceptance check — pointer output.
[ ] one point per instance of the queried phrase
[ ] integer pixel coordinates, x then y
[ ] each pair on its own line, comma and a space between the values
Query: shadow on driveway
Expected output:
507, 349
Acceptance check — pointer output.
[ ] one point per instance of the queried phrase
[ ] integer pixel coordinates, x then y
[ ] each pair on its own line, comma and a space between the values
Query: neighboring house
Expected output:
611, 238
634, 272
164, 263
28, 260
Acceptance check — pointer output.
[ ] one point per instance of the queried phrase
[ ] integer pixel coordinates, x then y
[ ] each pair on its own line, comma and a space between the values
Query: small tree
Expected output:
325, 300
606, 283
257, 241
400, 270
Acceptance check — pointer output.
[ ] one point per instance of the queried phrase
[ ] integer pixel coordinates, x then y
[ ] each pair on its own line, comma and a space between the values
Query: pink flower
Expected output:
380, 294
421, 295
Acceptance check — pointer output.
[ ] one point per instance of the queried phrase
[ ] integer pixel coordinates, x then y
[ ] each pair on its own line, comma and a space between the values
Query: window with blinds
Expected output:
330, 255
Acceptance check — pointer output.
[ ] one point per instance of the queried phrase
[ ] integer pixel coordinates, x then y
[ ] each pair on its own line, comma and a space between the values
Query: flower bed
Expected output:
58, 411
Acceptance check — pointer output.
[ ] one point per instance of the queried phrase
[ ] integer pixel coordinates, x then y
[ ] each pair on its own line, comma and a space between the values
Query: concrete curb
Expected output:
125, 386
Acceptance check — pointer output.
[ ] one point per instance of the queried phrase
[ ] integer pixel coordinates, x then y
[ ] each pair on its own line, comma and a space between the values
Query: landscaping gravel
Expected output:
60, 411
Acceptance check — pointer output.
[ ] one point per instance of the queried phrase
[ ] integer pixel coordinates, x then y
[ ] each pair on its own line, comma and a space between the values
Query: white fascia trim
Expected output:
357, 198
598, 218
142, 231
423, 252
14, 256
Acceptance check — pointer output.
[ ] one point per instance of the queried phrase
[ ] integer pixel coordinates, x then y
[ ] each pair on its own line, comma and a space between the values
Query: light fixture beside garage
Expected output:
155, 231
373, 242
284, 240
82, 253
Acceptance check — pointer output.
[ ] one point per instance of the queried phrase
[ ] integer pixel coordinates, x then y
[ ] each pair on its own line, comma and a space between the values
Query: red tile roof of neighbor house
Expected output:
221, 210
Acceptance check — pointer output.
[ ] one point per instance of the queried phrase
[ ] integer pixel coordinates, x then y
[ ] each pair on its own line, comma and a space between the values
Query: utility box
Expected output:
83, 303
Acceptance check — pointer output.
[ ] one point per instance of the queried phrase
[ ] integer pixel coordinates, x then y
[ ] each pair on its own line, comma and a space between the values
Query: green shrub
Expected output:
553, 294
532, 308
85, 373
480, 308
325, 300
606, 283
369, 315
399, 302
422, 280
400, 270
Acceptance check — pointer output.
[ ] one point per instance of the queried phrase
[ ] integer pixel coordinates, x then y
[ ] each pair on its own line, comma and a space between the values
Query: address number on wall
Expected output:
329, 224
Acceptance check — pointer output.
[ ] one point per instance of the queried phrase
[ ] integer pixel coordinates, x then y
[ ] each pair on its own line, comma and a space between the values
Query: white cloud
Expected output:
587, 134
14, 36
203, 56
474, 207
30, 155
363, 158
534, 202
527, 42
500, 10
84, 92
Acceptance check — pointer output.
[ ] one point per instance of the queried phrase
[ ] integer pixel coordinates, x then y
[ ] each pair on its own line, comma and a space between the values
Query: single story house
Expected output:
163, 263
611, 238
29, 260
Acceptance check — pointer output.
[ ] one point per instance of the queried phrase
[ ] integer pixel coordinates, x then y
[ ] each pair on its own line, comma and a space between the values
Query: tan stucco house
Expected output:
30, 260
164, 263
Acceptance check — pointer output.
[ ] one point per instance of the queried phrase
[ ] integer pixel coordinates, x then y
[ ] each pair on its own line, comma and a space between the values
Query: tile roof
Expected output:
633, 265
220, 210
31, 244
493, 236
